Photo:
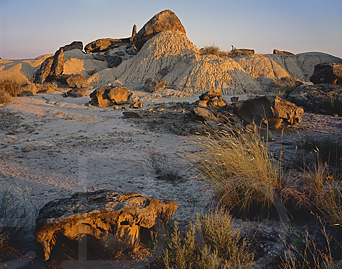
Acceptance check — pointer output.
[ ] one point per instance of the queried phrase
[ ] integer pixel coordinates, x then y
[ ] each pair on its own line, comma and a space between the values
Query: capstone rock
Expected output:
74, 45
282, 52
113, 219
111, 95
163, 21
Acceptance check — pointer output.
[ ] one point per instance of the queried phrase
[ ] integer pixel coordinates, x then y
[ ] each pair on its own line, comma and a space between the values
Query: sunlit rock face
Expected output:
112, 218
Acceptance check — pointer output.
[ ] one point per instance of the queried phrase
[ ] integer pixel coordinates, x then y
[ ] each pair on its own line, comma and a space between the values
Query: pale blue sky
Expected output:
29, 28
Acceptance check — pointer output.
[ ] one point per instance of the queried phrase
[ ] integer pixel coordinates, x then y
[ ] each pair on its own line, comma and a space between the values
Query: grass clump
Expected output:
211, 244
213, 50
240, 170
5, 98
11, 87
334, 104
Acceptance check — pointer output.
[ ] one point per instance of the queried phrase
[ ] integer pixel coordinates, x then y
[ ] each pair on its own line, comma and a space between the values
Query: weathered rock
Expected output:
104, 44
74, 79
58, 63
320, 98
113, 61
46, 87
99, 57
134, 32
262, 108
240, 52
152, 86
77, 92
111, 95
137, 104
131, 49
135, 114
282, 52
74, 45
28, 90
214, 92
114, 219
216, 102
163, 21
51, 67
202, 114
330, 73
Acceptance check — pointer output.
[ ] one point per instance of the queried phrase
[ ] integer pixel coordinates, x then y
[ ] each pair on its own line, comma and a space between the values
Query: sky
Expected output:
30, 28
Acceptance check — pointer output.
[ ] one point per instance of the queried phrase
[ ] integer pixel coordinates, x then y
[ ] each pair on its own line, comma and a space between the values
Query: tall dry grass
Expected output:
213, 50
8, 89
240, 169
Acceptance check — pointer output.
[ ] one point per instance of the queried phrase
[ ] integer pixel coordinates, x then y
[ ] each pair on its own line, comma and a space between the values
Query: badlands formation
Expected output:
56, 146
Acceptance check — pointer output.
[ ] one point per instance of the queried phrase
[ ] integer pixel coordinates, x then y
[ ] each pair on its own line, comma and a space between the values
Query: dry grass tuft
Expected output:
213, 50
239, 169
12, 87
5, 98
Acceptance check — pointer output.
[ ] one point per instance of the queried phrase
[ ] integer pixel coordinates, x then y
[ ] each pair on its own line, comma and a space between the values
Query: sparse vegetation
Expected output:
12, 87
334, 104
5, 98
211, 244
213, 50
240, 170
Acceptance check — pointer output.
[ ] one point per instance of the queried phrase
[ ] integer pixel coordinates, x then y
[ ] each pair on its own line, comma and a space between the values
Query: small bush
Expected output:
12, 87
212, 244
239, 169
5, 98
213, 50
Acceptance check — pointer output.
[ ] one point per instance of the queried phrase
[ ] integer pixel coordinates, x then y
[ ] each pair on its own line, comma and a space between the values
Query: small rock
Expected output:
152, 86
135, 114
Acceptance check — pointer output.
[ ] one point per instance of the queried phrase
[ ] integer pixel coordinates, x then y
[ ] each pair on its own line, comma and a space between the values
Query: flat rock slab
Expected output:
112, 218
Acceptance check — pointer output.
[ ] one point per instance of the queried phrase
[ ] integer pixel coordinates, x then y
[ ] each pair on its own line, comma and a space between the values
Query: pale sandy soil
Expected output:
54, 146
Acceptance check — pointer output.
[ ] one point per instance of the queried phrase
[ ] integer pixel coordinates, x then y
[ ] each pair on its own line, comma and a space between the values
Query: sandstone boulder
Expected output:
111, 95
212, 93
74, 45
282, 52
152, 86
114, 219
104, 44
330, 73
202, 114
320, 98
262, 109
164, 21
73, 79
46, 87
77, 92
50, 68
240, 52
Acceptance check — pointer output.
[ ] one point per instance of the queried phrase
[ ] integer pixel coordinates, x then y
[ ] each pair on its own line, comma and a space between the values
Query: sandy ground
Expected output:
52, 146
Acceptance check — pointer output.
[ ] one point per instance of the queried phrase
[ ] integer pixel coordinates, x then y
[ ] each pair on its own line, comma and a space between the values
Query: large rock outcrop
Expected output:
114, 219
330, 73
50, 68
73, 45
320, 98
104, 44
170, 56
163, 21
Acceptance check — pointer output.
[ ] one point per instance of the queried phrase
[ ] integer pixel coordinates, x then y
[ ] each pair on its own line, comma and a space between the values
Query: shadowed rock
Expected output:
152, 86
105, 44
73, 45
163, 21
50, 68
114, 219
330, 73
267, 107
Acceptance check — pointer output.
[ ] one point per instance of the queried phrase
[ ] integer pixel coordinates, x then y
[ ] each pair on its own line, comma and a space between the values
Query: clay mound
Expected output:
171, 56
272, 66
78, 62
